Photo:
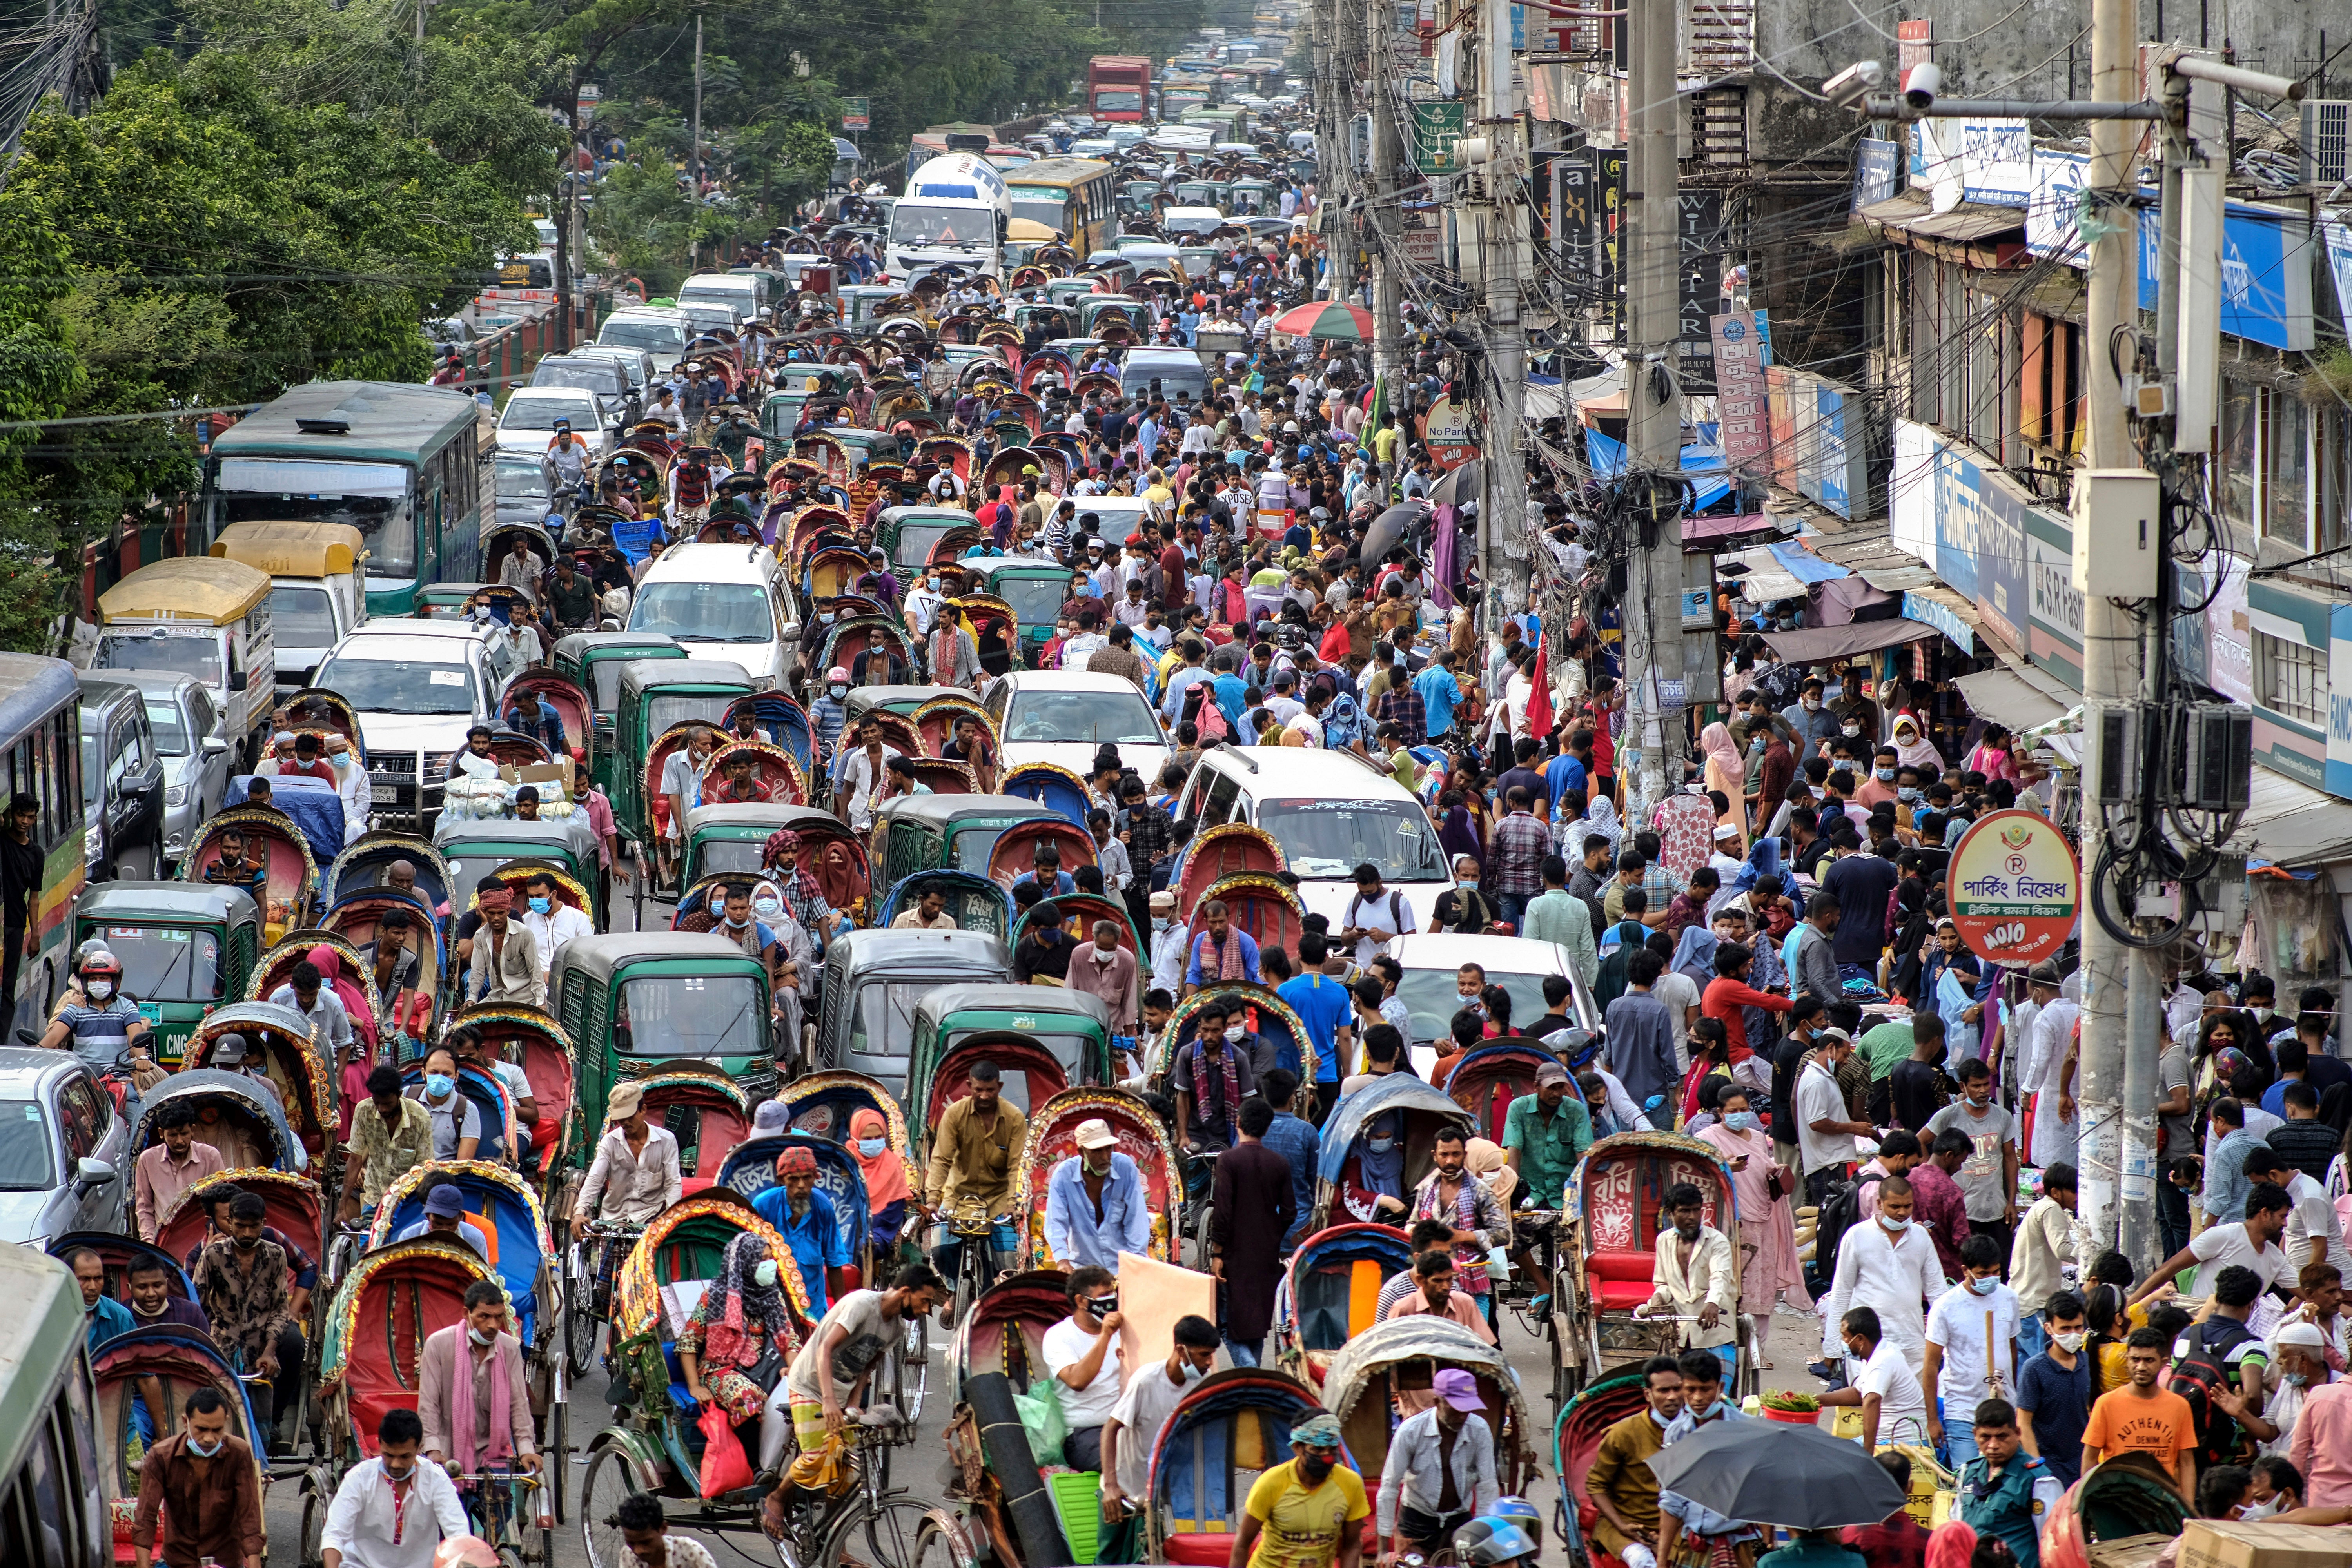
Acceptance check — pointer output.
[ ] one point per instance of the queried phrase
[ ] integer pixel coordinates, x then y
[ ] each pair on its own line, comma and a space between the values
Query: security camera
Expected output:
1919, 89
1851, 85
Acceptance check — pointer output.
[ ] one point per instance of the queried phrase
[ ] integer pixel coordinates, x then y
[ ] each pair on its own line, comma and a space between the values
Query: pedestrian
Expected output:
1132, 1432
1888, 1265
2141, 1418
1254, 1204
1971, 1345
2056, 1388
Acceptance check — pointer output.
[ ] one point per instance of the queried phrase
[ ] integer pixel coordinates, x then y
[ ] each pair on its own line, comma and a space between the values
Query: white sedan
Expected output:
1067, 716
527, 423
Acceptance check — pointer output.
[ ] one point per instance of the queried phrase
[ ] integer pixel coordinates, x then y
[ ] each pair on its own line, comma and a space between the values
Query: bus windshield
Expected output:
971, 228
373, 497
194, 653
1046, 204
1110, 102
704, 612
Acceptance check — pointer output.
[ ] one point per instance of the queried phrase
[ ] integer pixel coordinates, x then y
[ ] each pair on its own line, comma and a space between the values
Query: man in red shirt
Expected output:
310, 759
1898, 1541
1176, 582
1729, 992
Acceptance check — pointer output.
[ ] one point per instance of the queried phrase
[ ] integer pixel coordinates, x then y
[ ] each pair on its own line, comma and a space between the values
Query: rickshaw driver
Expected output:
390, 1136
635, 1174
833, 1371
1440, 1471
1307, 1512
464, 1429
233, 870
1693, 1276
973, 1153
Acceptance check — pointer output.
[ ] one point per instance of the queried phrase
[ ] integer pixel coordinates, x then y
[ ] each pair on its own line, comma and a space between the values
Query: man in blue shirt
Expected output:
1233, 692
1568, 771
108, 1317
1322, 1003
1193, 672
807, 1220
1438, 692
1095, 1204
1297, 1141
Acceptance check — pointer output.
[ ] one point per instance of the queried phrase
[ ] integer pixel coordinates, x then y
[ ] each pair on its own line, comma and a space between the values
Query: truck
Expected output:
956, 210
1118, 88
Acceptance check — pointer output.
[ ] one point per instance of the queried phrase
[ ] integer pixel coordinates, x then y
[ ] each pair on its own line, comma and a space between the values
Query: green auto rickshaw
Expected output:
1036, 591
633, 1000
485, 847
592, 662
1043, 1039
917, 833
907, 532
186, 948
445, 601
655, 694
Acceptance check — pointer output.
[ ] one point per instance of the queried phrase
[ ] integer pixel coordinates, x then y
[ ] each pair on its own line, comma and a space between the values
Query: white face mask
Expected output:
1234, 1033
2071, 1342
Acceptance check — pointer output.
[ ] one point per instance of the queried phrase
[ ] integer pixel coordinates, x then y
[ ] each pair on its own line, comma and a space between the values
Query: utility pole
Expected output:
1504, 557
1388, 321
1650, 264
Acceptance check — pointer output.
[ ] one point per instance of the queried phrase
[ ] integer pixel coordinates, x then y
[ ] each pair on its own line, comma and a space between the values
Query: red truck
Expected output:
1118, 87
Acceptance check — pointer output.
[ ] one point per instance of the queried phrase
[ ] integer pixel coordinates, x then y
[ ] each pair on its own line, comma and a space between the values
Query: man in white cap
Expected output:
1167, 943
635, 1174
1440, 1472
1095, 1205
2298, 1365
1725, 857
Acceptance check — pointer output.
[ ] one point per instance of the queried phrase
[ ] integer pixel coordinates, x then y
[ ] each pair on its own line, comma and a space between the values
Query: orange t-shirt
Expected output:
2123, 1423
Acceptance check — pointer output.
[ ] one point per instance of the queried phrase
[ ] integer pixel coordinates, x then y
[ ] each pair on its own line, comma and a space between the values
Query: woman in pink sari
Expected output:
1769, 1266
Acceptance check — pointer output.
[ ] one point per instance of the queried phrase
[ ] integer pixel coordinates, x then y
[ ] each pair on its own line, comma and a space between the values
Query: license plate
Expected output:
385, 795
153, 1012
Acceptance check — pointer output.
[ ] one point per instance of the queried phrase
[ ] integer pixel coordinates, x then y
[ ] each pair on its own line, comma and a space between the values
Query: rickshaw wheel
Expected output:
601, 1490
887, 1537
312, 1543
559, 1422
939, 1544
579, 1331
909, 1401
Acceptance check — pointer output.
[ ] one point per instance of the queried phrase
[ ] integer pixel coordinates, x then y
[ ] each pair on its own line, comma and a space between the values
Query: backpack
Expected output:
2200, 1368
1839, 1211
1396, 917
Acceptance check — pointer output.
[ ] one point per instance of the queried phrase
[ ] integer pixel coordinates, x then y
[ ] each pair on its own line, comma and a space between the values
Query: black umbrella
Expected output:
1772, 1472
1460, 484
1389, 528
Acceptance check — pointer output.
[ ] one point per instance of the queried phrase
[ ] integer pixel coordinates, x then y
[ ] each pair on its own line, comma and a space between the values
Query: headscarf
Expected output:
1919, 752
1951, 1545
1694, 955
885, 1174
330, 965
735, 1300
1483, 1158
1600, 821
1726, 771
1382, 1174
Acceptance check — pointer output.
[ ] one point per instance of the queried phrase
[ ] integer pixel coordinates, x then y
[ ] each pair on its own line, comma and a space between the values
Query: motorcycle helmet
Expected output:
88, 945
1487, 1542
839, 673
1521, 1512
1578, 1047
101, 976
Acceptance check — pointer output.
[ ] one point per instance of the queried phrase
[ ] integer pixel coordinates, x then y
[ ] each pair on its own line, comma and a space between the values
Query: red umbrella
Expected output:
1328, 319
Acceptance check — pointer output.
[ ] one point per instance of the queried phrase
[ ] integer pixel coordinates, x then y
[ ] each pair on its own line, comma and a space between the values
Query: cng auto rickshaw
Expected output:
479, 848
656, 695
592, 661
635, 1001
1045, 1040
872, 982
184, 946
944, 832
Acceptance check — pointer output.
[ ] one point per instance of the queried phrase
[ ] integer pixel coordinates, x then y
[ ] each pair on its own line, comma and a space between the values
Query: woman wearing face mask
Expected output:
1770, 1269
735, 1343
886, 1175
472, 1394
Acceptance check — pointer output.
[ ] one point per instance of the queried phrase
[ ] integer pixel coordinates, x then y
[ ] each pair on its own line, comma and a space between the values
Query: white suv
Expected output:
417, 687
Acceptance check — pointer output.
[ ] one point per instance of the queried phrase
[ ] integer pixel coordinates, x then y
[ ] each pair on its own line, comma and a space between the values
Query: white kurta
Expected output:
2053, 1033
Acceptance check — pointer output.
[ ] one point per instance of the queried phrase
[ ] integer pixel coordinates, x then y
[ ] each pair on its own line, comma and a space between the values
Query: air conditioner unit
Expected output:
2327, 141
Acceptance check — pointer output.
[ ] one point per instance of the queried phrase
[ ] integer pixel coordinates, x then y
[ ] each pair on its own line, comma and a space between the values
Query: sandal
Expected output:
771, 1515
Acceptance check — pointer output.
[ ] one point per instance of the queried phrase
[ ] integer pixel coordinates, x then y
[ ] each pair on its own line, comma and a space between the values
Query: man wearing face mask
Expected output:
1083, 1353
1103, 968
550, 922
1312, 1506
1621, 1482
200, 1485
2055, 1389
1881, 1383
1133, 1429
1888, 1265
1810, 722
828, 713
390, 1511
1971, 1355
1168, 935
241, 1282
457, 1121
472, 1396
808, 1222
1095, 1205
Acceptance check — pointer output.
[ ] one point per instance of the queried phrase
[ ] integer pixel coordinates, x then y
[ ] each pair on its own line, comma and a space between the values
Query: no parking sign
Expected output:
2014, 888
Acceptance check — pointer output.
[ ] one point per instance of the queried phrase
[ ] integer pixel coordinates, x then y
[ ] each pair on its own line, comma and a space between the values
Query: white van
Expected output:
1330, 811
746, 292
724, 594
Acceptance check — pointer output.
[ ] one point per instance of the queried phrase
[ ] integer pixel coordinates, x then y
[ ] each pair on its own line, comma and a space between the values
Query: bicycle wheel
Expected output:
607, 1482
909, 1380
1202, 1219
883, 1537
553, 1464
578, 1327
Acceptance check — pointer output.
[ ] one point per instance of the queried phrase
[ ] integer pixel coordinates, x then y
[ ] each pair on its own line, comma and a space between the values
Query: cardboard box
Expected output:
540, 773
2212, 1543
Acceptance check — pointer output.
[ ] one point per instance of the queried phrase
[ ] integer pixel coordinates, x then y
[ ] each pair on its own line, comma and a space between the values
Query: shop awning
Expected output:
2290, 825
1967, 221
1742, 529
2019, 697
1815, 644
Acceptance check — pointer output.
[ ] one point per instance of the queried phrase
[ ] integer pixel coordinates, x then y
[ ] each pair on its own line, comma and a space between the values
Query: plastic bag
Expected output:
1042, 1418
724, 1467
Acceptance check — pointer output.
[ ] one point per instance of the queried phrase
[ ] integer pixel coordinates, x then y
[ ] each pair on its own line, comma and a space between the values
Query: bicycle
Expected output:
493, 1503
591, 1265
1197, 1213
866, 1521
984, 1238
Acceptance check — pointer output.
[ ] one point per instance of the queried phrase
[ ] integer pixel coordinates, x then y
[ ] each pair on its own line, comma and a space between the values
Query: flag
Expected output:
1539, 713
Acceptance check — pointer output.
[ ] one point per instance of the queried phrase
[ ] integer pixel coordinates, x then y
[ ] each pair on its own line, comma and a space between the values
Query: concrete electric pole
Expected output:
1500, 165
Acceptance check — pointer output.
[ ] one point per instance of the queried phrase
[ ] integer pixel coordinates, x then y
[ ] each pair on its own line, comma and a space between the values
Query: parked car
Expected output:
195, 747
417, 686
528, 425
1433, 963
122, 783
64, 1159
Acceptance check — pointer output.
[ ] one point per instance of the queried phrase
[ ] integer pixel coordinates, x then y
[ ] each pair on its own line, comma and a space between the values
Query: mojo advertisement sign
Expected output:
2016, 888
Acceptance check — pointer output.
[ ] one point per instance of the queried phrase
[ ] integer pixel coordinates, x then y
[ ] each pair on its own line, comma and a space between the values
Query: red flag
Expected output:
1539, 714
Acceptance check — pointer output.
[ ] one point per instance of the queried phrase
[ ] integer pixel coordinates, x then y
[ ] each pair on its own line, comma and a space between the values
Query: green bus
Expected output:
51, 1507
403, 464
41, 755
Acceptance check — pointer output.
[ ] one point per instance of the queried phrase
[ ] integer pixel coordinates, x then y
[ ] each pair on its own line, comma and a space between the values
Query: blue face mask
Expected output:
1380, 1145
872, 1147
1743, 1122
540, 905
1906, 794
200, 1450
1885, 775
1986, 1286
439, 1084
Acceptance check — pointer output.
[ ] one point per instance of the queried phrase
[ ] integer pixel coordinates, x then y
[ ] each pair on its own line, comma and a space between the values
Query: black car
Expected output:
122, 783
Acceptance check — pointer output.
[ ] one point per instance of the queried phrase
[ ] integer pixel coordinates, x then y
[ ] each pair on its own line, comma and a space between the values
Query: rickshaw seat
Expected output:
1207, 1548
1621, 1280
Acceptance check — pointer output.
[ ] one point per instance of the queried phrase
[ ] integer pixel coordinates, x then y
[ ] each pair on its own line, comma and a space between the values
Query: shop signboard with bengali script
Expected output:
2015, 887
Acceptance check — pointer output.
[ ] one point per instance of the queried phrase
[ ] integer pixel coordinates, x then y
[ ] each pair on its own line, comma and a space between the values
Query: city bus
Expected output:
52, 1496
1075, 196
400, 463
40, 740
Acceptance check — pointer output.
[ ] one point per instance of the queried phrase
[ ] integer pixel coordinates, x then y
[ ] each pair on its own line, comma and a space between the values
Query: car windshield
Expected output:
171, 730
167, 963
1326, 838
1035, 601
663, 712
882, 1023
704, 612
521, 478
541, 413
174, 653
601, 375
653, 337
399, 686
729, 854
1433, 997
663, 1015
967, 226
1121, 718
302, 617
27, 1161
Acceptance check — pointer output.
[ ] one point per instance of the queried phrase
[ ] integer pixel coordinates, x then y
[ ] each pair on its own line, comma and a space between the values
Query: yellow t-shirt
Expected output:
1384, 444
1302, 1527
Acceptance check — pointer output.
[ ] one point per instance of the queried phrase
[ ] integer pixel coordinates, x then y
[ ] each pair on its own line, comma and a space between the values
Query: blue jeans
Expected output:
2032, 1338
1513, 908
2171, 1214
1960, 1439
1243, 1355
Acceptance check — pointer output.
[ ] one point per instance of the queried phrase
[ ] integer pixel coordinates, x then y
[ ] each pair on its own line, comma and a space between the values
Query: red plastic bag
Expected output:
724, 1467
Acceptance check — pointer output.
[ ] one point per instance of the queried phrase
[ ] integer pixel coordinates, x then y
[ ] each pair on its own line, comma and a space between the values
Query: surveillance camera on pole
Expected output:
1919, 89
1850, 86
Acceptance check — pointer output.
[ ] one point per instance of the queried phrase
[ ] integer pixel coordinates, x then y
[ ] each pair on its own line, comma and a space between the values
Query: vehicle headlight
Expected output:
176, 794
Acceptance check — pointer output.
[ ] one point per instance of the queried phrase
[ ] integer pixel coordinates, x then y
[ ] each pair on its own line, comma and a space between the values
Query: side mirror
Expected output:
236, 680
792, 631
215, 746
90, 1175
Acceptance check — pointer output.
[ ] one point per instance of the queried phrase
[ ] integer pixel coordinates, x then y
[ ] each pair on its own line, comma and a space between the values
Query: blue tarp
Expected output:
316, 810
1804, 565
1702, 464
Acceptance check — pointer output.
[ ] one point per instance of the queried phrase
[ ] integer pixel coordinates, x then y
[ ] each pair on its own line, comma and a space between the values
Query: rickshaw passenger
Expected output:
1133, 1429
148, 1296
807, 1221
550, 922
505, 966
481, 1056
1452, 1194
740, 1319
1085, 1356
306, 992
885, 1176
1095, 1204
444, 1217
164, 1171
1434, 1273
231, 1055
483, 1422
972, 1152
1621, 1482
457, 1121
391, 1135
635, 1174
240, 1283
